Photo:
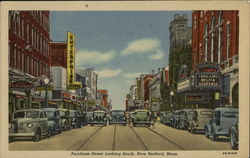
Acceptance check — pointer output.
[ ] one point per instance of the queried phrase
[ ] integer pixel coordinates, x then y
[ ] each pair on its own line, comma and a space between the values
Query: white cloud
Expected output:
157, 56
141, 46
131, 75
108, 73
93, 57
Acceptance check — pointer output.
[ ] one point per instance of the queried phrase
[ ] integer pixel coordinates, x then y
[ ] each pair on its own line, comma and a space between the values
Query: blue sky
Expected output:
119, 45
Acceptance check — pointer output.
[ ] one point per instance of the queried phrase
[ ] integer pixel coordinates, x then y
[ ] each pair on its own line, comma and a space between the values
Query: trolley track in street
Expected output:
113, 144
83, 145
164, 137
139, 138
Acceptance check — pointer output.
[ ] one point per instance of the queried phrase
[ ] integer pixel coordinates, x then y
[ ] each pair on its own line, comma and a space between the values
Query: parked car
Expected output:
141, 117
118, 117
65, 119
199, 117
89, 115
222, 119
234, 136
99, 118
175, 118
168, 116
74, 121
29, 123
82, 118
53, 115
184, 118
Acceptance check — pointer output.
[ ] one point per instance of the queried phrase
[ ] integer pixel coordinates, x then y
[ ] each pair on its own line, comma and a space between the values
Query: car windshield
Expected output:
32, 114
115, 113
89, 114
230, 114
141, 113
206, 113
19, 115
99, 113
49, 113
62, 113
72, 113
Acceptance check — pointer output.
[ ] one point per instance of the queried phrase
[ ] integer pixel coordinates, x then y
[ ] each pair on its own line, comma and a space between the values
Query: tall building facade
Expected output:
215, 39
29, 56
180, 47
91, 82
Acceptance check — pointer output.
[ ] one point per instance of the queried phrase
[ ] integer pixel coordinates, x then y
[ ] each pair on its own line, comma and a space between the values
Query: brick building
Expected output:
29, 56
215, 39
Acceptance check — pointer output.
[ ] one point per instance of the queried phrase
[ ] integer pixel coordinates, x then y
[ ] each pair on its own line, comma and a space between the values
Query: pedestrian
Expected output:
152, 118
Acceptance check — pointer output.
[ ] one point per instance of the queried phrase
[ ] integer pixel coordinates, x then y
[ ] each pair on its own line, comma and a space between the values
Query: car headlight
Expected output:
30, 125
10, 126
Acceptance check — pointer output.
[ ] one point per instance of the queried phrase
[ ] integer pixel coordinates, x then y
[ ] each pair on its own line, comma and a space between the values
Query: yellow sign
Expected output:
91, 103
49, 88
217, 96
71, 84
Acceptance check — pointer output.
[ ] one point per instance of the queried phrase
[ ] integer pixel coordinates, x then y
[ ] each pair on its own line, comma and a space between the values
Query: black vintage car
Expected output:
99, 118
118, 117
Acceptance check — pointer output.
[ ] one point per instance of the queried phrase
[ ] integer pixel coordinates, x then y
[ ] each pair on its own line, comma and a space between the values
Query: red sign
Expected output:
21, 84
67, 95
208, 69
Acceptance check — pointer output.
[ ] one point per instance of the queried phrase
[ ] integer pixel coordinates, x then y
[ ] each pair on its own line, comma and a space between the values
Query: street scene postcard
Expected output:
89, 79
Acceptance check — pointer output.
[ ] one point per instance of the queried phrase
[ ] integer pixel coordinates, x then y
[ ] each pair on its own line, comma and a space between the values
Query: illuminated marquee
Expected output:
71, 84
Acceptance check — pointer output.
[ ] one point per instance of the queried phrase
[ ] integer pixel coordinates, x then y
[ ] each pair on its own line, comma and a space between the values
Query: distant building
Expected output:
91, 82
103, 98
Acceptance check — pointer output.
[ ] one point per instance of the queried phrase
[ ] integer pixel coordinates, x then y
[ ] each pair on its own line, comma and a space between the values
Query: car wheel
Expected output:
37, 135
192, 130
49, 133
206, 132
134, 124
232, 141
124, 124
149, 125
92, 125
213, 136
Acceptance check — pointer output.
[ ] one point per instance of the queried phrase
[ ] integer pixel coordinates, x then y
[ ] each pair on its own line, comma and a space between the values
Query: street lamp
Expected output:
46, 82
171, 97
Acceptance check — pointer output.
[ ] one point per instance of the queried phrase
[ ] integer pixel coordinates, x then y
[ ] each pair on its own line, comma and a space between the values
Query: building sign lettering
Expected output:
207, 80
71, 84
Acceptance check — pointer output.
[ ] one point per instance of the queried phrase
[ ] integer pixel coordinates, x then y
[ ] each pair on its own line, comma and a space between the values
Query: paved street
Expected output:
118, 137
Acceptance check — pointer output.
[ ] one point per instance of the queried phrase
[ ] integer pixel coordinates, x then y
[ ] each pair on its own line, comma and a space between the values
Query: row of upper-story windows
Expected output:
211, 38
23, 28
42, 19
26, 62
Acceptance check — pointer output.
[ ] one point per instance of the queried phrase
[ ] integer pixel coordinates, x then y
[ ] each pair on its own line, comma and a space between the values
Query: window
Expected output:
206, 43
228, 39
195, 22
31, 65
37, 68
212, 38
220, 23
14, 58
28, 32
22, 60
18, 59
28, 64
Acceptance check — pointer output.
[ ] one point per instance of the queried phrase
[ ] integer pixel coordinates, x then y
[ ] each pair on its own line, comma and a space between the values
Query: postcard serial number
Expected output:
230, 153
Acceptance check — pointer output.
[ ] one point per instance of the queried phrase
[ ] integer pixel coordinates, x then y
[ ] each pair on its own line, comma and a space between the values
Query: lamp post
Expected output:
46, 82
171, 98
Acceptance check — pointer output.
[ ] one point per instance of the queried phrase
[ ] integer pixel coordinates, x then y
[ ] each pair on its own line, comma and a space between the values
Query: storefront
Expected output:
17, 101
203, 87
